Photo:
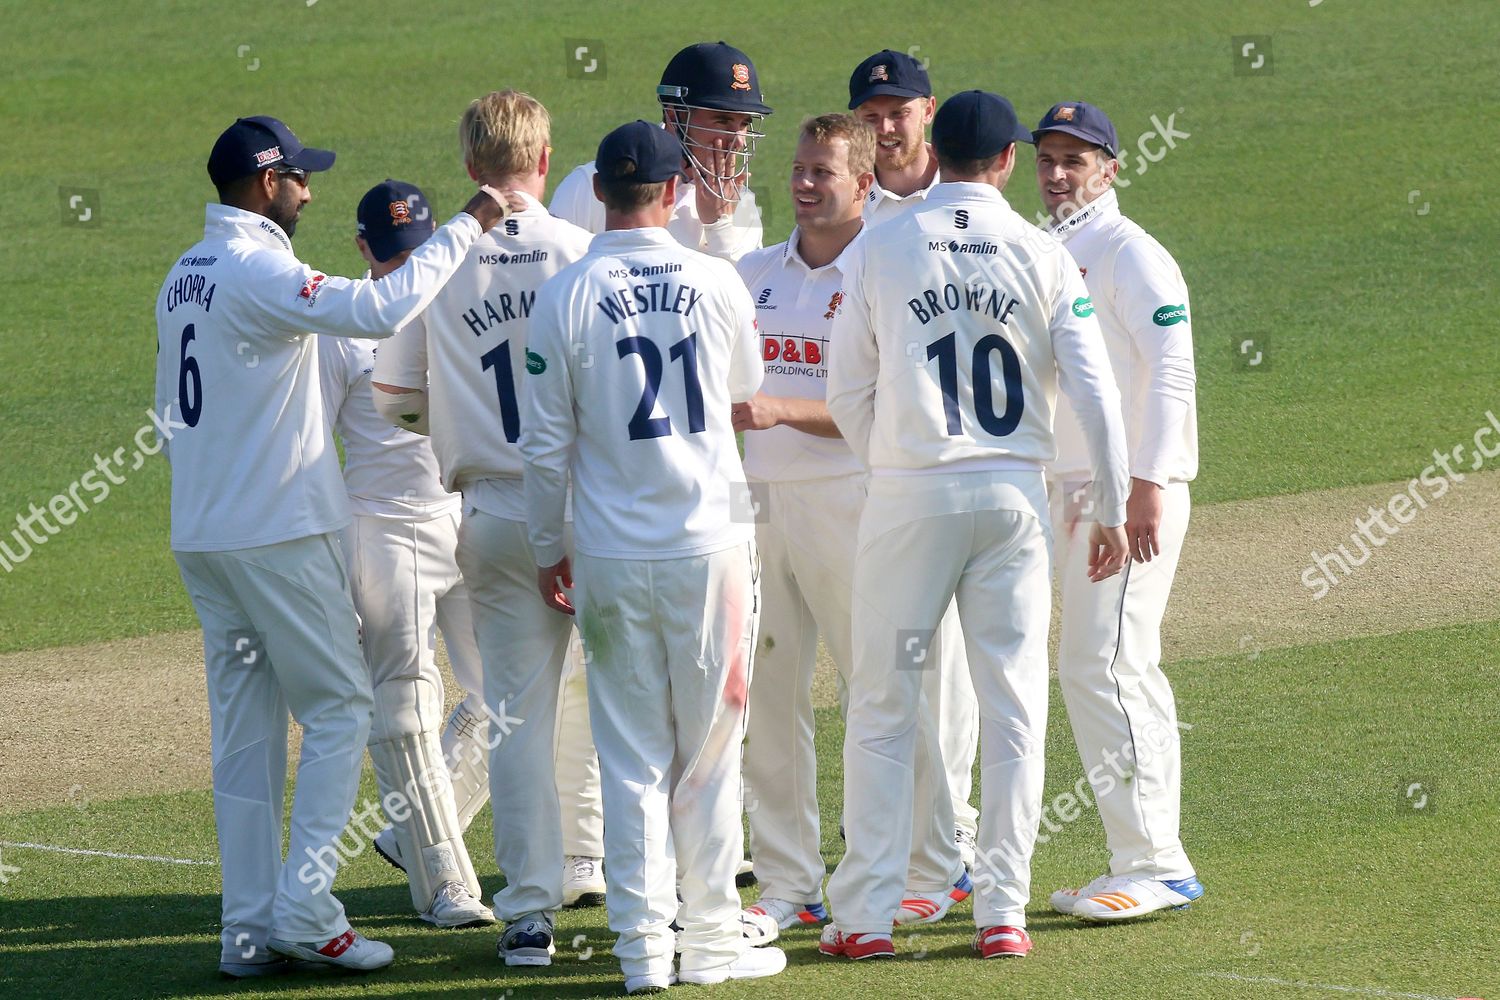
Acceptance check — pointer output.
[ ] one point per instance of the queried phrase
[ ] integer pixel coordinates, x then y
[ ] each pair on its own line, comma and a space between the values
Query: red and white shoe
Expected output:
930, 907
1002, 942
350, 950
856, 946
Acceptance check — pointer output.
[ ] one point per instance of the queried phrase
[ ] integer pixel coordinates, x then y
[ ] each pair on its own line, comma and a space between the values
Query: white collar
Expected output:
791, 251
253, 224
1102, 207
878, 193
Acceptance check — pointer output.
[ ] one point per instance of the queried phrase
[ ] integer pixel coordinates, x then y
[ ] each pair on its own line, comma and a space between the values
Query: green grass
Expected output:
1317, 871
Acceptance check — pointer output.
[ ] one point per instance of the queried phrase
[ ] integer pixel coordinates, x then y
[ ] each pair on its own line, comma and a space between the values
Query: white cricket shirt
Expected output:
731, 237
641, 348
794, 308
468, 348
388, 472
237, 383
959, 322
1142, 304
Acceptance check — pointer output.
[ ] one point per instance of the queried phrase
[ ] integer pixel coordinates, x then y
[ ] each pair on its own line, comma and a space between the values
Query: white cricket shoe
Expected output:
1063, 900
528, 940
755, 963
1128, 897
966, 848
454, 906
583, 881
350, 950
930, 907
786, 913
385, 845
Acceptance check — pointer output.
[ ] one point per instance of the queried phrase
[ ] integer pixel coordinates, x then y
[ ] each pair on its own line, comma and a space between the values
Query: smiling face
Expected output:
825, 192
1071, 172
900, 125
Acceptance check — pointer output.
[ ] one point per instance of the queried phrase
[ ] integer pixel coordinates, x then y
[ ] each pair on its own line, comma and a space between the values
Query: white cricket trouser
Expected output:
982, 537
1119, 701
279, 632
581, 809
523, 644
955, 708
807, 536
669, 645
406, 586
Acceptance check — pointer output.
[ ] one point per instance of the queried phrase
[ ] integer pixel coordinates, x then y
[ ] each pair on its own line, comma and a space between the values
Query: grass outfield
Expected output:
1287, 206
1317, 867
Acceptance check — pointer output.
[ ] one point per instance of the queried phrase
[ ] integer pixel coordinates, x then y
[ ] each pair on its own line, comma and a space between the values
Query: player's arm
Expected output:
549, 428
1151, 299
759, 412
746, 370
853, 362
301, 300
1084, 374
333, 378
574, 201
166, 377
399, 382
736, 233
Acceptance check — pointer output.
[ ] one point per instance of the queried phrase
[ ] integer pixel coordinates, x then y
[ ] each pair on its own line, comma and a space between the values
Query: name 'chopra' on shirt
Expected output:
658, 296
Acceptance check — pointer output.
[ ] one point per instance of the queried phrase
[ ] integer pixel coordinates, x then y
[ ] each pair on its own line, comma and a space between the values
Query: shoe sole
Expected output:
1003, 954
257, 970
1110, 918
584, 900
388, 859
310, 957
449, 925
527, 957
857, 958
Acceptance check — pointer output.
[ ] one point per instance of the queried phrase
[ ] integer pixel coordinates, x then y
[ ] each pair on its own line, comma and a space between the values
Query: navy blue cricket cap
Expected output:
394, 216
1083, 120
888, 72
975, 125
253, 144
640, 152
713, 75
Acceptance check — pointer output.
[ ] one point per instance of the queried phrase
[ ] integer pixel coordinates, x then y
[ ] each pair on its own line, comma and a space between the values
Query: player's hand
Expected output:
1108, 551
552, 581
1143, 519
711, 207
757, 413
491, 205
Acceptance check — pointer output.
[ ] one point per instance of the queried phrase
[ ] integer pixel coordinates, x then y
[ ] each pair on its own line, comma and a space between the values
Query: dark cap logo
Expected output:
400, 213
879, 73
1064, 114
266, 156
741, 74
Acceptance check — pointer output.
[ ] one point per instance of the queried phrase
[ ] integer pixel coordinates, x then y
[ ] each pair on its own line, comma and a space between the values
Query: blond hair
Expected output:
503, 134
859, 136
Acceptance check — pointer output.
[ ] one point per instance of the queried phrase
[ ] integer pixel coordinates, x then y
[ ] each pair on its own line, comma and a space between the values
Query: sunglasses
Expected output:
295, 173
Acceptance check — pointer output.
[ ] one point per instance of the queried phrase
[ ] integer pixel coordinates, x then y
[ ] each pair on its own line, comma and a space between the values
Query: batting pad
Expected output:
467, 748
416, 790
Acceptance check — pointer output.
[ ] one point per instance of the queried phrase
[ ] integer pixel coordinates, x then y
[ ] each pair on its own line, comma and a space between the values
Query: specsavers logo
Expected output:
535, 363
1083, 308
1167, 315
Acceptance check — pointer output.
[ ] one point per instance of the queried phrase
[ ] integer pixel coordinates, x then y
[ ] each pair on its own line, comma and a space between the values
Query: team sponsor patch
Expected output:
266, 156
1167, 315
833, 304
798, 350
535, 363
741, 74
400, 213
1083, 308
311, 287
879, 73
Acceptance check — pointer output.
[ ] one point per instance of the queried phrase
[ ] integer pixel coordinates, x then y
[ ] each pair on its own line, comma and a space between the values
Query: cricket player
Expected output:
809, 488
406, 585
1109, 662
455, 371
635, 355
711, 102
257, 502
891, 92
953, 337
